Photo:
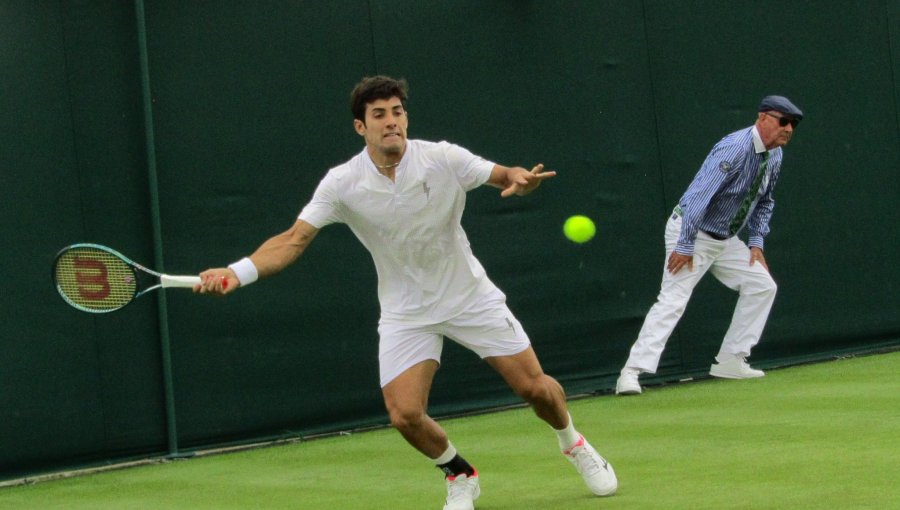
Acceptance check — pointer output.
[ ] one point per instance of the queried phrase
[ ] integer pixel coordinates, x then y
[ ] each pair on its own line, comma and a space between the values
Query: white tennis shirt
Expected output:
411, 227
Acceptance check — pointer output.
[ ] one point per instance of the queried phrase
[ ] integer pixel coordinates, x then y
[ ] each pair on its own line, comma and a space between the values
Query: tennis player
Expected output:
404, 199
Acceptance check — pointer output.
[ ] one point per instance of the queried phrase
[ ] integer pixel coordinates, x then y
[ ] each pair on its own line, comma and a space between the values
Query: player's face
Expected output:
771, 131
385, 127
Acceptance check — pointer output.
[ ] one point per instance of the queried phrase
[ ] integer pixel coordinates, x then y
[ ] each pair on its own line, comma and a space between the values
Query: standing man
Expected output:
732, 189
404, 199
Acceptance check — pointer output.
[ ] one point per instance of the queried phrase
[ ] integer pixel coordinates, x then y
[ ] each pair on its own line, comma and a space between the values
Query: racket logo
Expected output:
92, 277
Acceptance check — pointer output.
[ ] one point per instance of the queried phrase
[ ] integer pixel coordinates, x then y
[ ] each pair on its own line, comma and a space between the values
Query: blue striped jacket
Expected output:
712, 200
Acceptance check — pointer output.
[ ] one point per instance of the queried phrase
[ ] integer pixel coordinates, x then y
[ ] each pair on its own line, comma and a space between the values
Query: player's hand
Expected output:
523, 182
219, 281
678, 261
756, 255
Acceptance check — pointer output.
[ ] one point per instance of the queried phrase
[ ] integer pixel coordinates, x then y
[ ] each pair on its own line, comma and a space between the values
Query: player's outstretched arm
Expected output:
277, 253
517, 180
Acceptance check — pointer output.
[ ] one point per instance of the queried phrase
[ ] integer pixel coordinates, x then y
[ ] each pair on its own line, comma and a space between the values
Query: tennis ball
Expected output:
579, 229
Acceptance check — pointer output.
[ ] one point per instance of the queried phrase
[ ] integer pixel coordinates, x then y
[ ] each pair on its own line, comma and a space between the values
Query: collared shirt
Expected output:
712, 200
411, 227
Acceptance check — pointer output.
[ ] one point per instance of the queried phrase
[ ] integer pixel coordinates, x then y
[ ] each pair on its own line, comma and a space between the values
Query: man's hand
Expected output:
756, 255
522, 182
678, 261
219, 281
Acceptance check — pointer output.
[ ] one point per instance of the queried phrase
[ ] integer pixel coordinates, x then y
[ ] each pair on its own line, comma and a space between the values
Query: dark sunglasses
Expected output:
784, 121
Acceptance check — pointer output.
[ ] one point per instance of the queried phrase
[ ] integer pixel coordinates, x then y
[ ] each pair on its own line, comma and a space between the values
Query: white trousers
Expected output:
729, 262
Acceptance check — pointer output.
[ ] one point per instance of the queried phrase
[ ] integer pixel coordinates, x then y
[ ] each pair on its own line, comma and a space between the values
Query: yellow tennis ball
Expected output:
579, 229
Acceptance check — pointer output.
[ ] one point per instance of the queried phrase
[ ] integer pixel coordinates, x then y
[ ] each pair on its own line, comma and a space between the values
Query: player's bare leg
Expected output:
406, 400
547, 398
523, 373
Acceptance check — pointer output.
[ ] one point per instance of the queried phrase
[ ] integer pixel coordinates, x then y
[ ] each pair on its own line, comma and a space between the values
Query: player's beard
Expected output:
394, 149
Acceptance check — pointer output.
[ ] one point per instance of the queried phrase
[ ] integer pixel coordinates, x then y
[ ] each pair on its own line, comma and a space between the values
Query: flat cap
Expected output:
780, 104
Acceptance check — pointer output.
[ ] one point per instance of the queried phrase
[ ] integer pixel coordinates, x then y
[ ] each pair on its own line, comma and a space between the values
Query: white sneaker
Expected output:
628, 382
733, 367
598, 474
462, 491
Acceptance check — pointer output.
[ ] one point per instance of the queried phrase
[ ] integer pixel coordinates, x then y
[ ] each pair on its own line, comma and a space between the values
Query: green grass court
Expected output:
808, 437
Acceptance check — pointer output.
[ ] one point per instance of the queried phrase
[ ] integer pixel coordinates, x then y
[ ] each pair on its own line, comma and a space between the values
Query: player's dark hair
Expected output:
373, 88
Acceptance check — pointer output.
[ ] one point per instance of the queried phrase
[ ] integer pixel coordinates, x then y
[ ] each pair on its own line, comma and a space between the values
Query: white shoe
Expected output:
462, 491
598, 474
628, 382
733, 367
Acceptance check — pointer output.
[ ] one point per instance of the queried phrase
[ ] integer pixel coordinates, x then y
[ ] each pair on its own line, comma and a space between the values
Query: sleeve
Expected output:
758, 223
325, 207
471, 171
722, 164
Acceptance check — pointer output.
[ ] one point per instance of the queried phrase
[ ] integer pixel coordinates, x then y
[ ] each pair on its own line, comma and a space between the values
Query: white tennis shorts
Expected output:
488, 328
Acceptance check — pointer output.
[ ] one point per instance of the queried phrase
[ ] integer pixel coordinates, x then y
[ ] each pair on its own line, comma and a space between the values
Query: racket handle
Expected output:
178, 281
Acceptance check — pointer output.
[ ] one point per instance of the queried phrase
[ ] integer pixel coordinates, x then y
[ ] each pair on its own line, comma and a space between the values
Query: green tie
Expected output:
738, 220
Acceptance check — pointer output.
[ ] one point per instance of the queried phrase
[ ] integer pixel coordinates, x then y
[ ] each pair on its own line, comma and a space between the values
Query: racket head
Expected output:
94, 278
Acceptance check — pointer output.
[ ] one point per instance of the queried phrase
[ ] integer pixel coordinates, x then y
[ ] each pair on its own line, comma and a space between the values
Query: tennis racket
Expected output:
98, 279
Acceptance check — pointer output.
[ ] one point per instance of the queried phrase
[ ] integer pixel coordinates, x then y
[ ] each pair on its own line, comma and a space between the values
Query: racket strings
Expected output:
94, 280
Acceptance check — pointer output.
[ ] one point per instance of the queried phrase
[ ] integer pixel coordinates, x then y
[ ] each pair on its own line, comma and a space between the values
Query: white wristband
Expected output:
245, 271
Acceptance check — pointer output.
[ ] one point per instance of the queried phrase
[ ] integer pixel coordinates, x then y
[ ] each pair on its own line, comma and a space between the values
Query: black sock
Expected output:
457, 466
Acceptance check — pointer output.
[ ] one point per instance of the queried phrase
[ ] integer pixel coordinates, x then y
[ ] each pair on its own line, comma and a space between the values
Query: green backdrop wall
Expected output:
250, 108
